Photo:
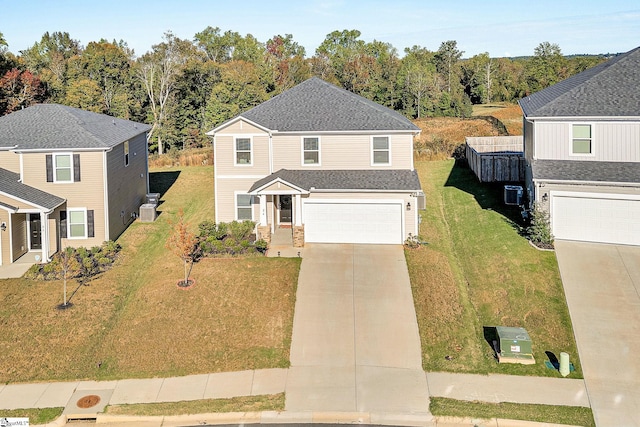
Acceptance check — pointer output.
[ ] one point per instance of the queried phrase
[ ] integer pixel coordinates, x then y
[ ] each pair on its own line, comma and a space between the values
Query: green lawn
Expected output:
478, 272
571, 415
133, 321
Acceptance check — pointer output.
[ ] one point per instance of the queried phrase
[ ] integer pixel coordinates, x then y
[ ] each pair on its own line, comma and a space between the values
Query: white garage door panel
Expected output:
353, 223
606, 220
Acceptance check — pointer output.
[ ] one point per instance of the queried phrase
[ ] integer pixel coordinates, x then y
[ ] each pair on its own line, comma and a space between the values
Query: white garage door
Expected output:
606, 218
353, 222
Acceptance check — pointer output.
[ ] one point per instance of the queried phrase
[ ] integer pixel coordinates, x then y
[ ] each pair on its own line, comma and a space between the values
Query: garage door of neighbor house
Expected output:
352, 221
593, 217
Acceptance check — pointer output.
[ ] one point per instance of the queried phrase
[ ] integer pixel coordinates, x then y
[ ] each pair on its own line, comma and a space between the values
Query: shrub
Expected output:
539, 229
234, 238
241, 230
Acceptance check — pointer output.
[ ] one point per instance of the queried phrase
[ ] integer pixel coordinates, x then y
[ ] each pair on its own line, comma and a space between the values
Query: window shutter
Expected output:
90, 228
63, 224
76, 168
49, 162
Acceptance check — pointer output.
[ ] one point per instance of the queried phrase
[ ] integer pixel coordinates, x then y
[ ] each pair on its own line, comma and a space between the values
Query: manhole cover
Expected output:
88, 401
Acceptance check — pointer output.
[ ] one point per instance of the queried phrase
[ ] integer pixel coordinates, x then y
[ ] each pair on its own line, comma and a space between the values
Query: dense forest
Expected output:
184, 88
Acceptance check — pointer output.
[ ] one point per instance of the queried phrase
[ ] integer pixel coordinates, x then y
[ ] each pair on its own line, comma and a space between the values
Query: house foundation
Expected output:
264, 233
298, 236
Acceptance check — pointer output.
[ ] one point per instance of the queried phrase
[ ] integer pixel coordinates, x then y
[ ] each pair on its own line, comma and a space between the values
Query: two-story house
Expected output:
582, 150
68, 177
330, 164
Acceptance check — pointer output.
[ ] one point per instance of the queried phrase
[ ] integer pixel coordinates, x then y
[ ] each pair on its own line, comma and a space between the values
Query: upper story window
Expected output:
581, 139
63, 167
380, 150
243, 151
311, 151
126, 153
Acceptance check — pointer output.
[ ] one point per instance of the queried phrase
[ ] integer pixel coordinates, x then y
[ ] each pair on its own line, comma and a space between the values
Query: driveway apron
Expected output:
602, 286
355, 345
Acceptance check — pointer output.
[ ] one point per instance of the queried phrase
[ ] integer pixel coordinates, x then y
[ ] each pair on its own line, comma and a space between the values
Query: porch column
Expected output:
44, 235
263, 209
298, 210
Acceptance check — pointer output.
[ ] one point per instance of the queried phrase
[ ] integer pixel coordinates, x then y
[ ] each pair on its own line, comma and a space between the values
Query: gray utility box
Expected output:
153, 198
515, 345
147, 212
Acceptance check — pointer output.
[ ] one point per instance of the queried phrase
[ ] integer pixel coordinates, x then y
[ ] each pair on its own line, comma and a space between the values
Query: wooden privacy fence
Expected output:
496, 158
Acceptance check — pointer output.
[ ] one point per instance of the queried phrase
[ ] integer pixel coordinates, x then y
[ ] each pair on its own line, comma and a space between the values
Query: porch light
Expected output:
408, 206
545, 196
3, 226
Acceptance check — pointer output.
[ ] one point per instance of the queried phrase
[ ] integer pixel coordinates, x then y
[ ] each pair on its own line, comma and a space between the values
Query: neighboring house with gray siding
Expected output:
329, 164
68, 177
582, 149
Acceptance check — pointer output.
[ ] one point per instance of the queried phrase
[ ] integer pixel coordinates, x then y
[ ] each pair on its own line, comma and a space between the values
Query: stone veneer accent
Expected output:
298, 236
264, 233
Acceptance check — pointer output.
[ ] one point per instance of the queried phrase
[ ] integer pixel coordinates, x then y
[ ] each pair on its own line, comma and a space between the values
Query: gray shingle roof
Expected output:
610, 89
385, 180
10, 184
316, 106
572, 170
53, 126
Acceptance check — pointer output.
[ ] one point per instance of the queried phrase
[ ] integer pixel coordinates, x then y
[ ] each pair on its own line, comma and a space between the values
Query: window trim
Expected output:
235, 150
236, 205
71, 169
373, 151
571, 140
126, 153
303, 151
86, 224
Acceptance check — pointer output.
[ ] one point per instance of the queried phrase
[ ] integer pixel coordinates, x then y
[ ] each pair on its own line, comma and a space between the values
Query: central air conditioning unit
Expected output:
147, 212
513, 195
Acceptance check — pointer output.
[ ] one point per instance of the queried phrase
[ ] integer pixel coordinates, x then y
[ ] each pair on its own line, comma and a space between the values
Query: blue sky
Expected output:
501, 28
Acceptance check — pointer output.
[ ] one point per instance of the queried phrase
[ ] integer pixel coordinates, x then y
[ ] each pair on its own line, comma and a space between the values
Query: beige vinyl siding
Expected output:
88, 193
225, 152
5, 248
611, 141
348, 151
226, 203
410, 217
54, 230
241, 127
127, 185
10, 161
19, 235
279, 187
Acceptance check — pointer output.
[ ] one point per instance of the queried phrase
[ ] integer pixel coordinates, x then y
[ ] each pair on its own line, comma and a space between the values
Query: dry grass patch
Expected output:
509, 114
441, 136
133, 321
36, 416
273, 402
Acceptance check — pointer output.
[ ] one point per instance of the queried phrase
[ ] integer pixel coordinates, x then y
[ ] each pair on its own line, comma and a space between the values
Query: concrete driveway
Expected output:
355, 345
602, 286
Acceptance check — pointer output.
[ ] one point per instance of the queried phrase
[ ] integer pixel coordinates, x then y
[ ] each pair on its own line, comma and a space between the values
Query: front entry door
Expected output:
35, 230
285, 209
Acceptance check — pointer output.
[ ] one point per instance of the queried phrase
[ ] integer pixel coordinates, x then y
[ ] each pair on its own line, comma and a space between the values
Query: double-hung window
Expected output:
77, 223
311, 151
380, 150
581, 139
63, 167
244, 210
243, 151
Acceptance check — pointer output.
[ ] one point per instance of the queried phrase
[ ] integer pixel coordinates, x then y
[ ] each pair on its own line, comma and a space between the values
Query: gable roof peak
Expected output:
609, 89
319, 106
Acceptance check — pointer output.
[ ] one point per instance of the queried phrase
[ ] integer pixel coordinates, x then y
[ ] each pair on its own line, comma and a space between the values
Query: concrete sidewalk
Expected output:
491, 388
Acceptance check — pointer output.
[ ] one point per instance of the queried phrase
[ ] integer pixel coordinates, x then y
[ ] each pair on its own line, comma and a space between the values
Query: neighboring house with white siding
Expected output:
68, 177
582, 148
329, 164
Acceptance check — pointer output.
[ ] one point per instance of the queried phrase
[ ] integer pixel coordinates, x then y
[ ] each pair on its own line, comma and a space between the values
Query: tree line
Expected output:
184, 88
